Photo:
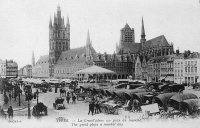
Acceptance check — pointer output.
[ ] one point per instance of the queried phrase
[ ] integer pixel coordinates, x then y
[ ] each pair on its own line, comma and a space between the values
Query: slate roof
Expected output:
136, 47
76, 55
162, 59
43, 59
126, 27
132, 47
157, 41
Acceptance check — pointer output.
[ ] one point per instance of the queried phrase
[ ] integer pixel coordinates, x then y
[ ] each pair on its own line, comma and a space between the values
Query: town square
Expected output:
95, 63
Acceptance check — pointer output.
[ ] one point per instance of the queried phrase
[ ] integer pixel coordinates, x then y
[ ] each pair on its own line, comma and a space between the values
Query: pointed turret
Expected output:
58, 12
142, 30
63, 22
55, 20
117, 47
50, 23
68, 25
33, 59
88, 42
67, 20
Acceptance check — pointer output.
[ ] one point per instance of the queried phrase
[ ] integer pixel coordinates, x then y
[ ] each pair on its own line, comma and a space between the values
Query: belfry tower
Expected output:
59, 39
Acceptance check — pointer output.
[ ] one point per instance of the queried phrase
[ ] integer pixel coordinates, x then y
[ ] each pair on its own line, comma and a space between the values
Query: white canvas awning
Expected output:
95, 70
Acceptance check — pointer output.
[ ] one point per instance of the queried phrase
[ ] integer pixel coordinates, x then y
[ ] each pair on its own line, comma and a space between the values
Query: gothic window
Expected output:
56, 45
59, 45
63, 35
53, 45
192, 69
63, 46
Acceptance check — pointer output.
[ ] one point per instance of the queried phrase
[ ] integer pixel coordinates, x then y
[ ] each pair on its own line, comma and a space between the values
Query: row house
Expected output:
25, 71
8, 69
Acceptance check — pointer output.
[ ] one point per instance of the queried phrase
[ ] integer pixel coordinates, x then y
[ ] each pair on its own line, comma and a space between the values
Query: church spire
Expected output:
88, 38
142, 30
143, 40
50, 23
67, 20
33, 59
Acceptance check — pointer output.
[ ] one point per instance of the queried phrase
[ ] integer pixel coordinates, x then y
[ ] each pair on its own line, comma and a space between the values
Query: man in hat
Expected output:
2, 113
10, 112
91, 107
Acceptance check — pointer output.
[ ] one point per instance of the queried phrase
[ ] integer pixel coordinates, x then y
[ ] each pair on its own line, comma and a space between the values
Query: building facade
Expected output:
2, 69
192, 68
63, 61
130, 59
25, 71
8, 69
187, 69
179, 71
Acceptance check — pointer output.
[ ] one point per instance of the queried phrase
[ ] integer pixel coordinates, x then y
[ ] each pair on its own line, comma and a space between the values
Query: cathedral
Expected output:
134, 58
130, 58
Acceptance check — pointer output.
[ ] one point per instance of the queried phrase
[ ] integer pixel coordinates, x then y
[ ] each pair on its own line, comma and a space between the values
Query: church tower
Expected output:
127, 38
59, 39
142, 40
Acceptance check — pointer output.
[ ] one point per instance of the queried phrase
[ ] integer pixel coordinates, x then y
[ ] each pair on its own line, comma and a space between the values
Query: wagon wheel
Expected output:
162, 113
111, 110
106, 109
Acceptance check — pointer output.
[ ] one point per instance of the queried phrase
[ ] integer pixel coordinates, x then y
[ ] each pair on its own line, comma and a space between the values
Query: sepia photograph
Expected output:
99, 63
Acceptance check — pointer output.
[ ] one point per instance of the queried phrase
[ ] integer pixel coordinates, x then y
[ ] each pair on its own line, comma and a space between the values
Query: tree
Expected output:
187, 53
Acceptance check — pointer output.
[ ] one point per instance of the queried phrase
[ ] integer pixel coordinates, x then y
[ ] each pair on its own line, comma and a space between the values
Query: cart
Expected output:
59, 103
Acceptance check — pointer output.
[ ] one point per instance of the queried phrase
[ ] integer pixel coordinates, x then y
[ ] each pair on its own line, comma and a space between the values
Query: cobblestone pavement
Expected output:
79, 112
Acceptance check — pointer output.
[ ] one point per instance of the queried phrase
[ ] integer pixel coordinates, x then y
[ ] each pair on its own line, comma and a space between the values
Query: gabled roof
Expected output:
76, 54
95, 70
126, 27
157, 41
136, 47
43, 59
131, 47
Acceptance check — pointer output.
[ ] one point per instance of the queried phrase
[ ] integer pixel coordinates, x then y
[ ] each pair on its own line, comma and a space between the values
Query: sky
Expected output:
24, 24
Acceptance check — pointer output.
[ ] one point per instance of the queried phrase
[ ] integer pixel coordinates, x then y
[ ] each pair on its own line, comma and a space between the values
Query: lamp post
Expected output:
29, 97
37, 94
29, 110
19, 96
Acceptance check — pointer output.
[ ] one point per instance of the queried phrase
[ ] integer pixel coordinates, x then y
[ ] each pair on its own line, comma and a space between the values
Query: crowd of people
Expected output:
9, 113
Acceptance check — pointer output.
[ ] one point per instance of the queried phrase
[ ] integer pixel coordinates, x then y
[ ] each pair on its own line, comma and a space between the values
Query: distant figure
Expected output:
10, 96
73, 99
91, 108
97, 107
5, 98
56, 89
10, 112
68, 99
2, 113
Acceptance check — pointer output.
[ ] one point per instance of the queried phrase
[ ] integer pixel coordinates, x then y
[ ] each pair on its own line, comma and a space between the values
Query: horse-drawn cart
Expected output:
39, 109
110, 108
59, 103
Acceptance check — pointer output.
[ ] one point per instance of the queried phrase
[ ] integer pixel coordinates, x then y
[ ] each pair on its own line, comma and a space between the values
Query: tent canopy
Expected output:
95, 70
